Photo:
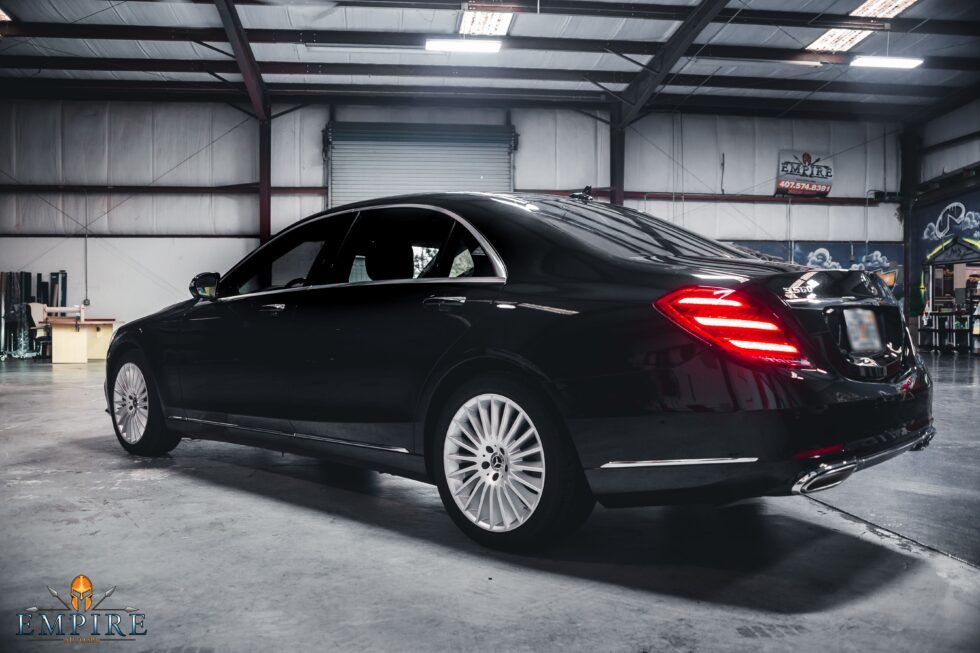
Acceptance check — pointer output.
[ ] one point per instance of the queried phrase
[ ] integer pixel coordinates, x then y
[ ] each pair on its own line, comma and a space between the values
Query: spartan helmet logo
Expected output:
81, 593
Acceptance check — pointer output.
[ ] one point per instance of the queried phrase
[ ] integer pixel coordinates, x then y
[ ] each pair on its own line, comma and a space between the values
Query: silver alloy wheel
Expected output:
494, 462
131, 403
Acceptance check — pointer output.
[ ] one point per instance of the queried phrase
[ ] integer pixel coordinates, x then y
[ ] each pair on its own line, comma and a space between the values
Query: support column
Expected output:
617, 155
265, 180
911, 146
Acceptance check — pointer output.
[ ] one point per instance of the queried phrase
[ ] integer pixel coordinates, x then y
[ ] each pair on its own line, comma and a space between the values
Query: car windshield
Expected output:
628, 233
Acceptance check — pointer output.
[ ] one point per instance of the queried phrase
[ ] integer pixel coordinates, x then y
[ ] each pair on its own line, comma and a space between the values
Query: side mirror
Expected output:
205, 285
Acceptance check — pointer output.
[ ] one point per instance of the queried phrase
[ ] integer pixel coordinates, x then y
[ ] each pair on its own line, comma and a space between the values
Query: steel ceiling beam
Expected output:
756, 53
733, 15
775, 107
299, 68
244, 58
416, 40
652, 76
954, 100
112, 90
644, 11
36, 88
807, 85
146, 91
227, 66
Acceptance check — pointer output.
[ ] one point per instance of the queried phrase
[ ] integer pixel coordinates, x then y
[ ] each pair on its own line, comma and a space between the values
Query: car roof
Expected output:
445, 198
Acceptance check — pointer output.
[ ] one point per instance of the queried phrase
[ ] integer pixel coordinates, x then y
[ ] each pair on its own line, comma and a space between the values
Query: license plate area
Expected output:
863, 331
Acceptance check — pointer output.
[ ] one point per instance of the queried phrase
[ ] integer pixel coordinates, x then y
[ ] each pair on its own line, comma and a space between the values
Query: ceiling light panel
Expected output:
485, 23
842, 40
883, 8
838, 40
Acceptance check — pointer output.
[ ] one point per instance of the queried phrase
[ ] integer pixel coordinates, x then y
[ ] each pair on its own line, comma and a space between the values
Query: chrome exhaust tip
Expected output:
824, 479
926, 438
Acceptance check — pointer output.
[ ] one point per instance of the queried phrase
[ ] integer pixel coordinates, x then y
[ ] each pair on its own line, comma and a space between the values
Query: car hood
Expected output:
164, 313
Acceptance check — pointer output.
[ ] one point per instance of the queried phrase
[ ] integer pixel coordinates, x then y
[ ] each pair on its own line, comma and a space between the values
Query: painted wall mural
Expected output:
873, 257
885, 259
932, 225
779, 249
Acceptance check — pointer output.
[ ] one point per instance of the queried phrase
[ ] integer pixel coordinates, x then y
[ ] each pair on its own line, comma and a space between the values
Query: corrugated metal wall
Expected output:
964, 120
212, 144
683, 154
175, 144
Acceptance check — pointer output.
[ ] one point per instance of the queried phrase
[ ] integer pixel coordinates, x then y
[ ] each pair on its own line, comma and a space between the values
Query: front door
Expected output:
240, 350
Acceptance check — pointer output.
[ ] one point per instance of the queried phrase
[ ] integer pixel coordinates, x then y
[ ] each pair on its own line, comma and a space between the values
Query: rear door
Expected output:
408, 284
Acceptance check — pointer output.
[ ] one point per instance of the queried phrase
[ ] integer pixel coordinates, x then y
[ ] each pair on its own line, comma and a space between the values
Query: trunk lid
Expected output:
850, 317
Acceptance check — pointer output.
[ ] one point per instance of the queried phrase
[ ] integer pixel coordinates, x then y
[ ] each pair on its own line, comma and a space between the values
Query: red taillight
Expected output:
818, 453
735, 322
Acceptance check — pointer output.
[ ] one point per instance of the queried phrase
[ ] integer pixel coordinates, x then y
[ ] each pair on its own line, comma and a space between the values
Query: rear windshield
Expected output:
628, 233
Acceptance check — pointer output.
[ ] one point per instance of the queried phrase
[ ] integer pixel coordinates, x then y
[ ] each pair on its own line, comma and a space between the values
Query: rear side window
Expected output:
465, 257
393, 244
627, 233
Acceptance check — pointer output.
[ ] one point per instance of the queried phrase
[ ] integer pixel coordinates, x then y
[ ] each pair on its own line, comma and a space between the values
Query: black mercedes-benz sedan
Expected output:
530, 355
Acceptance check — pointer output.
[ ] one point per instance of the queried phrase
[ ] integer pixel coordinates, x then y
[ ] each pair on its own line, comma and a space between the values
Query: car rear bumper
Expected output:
722, 480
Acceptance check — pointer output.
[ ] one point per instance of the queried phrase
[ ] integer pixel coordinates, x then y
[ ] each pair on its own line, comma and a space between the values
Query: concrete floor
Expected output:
231, 549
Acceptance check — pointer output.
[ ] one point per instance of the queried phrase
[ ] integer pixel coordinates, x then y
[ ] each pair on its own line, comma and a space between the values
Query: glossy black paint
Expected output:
356, 371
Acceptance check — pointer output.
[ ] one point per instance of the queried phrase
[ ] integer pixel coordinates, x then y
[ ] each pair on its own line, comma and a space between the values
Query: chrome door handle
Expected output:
272, 308
444, 301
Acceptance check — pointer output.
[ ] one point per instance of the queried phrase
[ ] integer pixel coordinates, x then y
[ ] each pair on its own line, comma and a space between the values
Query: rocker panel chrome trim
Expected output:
317, 438
675, 463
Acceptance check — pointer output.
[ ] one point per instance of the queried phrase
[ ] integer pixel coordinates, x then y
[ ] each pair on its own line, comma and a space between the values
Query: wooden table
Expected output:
74, 340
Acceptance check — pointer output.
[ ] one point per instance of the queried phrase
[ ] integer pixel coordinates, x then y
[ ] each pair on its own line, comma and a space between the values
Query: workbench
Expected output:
78, 340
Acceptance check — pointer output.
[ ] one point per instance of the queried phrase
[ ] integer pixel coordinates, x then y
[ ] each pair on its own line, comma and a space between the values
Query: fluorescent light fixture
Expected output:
812, 64
886, 62
462, 45
842, 40
362, 49
485, 23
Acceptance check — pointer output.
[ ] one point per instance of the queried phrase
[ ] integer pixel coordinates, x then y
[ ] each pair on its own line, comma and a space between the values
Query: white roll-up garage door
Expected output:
370, 160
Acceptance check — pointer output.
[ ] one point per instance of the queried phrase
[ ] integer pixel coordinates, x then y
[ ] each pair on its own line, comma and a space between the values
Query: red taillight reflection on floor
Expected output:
733, 321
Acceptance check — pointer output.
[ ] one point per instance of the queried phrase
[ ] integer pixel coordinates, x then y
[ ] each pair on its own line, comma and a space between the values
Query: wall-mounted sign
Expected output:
804, 173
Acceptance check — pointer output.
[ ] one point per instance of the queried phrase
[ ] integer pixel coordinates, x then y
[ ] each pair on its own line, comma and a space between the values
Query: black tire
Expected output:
156, 440
565, 500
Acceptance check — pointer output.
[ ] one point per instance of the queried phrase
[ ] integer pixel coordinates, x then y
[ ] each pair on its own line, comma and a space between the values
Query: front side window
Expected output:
293, 259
